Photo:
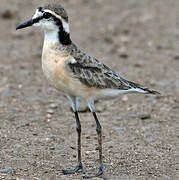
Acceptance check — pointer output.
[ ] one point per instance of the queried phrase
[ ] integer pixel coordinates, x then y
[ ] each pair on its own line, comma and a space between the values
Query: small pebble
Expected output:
159, 153
35, 134
144, 116
50, 111
88, 137
117, 118
49, 116
138, 65
119, 128
72, 147
6, 170
90, 152
52, 105
132, 115
97, 148
53, 137
48, 120
46, 139
124, 55
176, 57
124, 98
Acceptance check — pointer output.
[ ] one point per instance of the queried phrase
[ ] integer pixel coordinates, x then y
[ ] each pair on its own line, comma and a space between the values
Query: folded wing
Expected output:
93, 73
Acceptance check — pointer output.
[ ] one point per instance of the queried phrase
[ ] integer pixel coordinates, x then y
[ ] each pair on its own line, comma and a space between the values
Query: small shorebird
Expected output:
75, 73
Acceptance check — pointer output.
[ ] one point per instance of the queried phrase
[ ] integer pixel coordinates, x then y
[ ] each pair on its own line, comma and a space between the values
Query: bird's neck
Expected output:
58, 35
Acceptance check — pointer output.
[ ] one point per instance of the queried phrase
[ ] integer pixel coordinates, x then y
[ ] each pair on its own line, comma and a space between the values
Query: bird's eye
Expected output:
47, 15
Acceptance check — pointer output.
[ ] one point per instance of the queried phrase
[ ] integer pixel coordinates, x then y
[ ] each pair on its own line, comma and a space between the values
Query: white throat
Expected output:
51, 36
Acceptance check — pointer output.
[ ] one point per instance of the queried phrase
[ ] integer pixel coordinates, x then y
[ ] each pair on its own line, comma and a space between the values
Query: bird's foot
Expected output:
99, 172
76, 169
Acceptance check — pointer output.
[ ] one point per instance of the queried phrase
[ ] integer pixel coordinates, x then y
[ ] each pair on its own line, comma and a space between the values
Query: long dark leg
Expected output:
78, 129
99, 133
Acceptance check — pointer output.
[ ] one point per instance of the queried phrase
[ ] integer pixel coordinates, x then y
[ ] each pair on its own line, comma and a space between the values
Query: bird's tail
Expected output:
150, 91
141, 89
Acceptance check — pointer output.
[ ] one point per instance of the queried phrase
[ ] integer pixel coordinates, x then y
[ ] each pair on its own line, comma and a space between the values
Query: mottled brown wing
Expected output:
95, 74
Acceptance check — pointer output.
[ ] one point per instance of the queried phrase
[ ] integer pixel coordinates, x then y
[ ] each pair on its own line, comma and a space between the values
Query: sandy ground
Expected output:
140, 133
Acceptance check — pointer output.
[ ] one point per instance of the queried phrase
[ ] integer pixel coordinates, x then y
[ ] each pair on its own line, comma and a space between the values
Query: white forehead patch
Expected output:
37, 14
65, 24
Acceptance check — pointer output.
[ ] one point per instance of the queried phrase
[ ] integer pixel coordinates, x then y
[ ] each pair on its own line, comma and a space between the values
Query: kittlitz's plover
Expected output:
75, 73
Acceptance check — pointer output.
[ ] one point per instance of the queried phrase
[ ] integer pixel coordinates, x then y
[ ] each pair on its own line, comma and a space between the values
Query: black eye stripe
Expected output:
36, 20
47, 15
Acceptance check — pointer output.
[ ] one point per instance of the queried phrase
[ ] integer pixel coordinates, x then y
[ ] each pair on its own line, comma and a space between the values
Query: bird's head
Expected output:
52, 19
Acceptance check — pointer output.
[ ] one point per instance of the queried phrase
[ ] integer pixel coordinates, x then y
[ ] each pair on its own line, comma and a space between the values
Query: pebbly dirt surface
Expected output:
140, 133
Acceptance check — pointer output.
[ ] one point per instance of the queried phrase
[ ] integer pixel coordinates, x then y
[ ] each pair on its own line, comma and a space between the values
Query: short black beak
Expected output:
25, 24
